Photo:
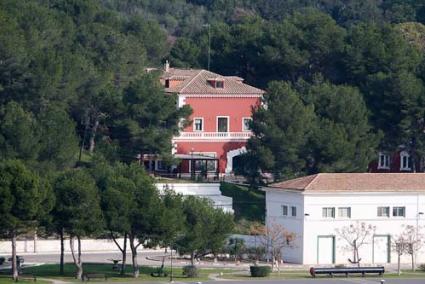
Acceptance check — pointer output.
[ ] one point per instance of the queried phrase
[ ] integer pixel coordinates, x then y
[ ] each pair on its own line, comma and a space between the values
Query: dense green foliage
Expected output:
344, 79
72, 73
206, 228
24, 201
248, 205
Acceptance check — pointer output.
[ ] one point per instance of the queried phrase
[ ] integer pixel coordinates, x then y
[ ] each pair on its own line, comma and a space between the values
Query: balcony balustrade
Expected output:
214, 135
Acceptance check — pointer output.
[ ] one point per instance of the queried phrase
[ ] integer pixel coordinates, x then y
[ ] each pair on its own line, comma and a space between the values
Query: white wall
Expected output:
206, 190
274, 202
363, 209
53, 246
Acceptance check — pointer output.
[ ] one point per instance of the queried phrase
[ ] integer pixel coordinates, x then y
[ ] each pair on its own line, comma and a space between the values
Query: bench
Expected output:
31, 277
346, 270
89, 276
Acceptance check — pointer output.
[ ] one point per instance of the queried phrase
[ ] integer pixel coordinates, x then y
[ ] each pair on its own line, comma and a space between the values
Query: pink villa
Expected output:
222, 110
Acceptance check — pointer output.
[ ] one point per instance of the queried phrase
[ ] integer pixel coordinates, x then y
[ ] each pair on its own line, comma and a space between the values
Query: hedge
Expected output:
260, 271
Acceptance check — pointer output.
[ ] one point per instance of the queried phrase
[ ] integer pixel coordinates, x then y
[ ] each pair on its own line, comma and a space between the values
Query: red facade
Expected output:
396, 162
222, 108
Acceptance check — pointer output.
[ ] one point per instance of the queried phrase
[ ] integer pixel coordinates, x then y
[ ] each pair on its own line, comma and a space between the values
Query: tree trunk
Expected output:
15, 274
93, 135
133, 248
61, 265
358, 258
77, 258
124, 255
86, 127
123, 251
192, 258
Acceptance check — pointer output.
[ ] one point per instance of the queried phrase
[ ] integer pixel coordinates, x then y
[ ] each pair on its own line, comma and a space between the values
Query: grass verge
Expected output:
51, 271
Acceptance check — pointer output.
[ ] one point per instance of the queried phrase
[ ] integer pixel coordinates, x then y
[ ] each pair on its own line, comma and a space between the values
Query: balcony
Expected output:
225, 136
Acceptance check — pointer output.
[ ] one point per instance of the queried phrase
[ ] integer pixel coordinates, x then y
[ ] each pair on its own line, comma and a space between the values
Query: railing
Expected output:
214, 135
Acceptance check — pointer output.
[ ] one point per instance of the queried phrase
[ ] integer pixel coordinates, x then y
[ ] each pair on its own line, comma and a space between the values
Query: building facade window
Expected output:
328, 212
383, 211
219, 84
284, 210
222, 124
344, 212
384, 161
405, 161
246, 124
198, 124
399, 211
293, 211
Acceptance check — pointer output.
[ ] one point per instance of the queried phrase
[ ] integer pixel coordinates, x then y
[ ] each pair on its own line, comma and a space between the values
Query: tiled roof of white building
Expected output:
356, 182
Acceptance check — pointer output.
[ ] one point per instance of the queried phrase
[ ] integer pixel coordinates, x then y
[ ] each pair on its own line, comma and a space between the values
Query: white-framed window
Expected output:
383, 211
198, 124
328, 212
405, 161
285, 210
383, 161
344, 212
293, 211
246, 121
222, 124
399, 211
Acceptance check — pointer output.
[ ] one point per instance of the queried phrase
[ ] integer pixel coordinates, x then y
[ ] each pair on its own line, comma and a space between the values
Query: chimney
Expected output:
166, 66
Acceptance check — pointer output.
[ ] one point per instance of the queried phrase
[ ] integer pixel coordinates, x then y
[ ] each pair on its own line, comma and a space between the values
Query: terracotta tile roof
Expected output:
363, 182
194, 81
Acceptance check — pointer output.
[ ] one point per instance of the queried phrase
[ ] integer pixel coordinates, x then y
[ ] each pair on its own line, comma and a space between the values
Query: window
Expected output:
205, 165
246, 121
222, 124
344, 212
284, 210
161, 166
167, 83
219, 84
405, 161
201, 165
399, 212
293, 211
383, 211
198, 124
384, 161
328, 212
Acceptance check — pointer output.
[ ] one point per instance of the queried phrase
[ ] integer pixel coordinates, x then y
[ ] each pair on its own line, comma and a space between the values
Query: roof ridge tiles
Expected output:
191, 80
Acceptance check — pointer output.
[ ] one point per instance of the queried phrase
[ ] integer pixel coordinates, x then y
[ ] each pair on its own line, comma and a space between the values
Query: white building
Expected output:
313, 207
210, 191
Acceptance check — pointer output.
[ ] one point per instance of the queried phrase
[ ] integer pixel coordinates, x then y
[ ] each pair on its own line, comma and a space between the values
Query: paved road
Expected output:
151, 258
305, 281
326, 281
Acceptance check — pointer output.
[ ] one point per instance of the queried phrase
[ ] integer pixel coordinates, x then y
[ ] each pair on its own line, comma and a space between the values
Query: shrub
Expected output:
190, 271
260, 271
422, 267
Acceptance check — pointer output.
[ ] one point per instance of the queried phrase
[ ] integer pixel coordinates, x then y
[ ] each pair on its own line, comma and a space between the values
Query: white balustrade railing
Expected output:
214, 135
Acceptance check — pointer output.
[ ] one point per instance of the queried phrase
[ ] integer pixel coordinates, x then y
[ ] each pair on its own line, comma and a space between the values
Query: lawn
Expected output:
52, 271
300, 274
